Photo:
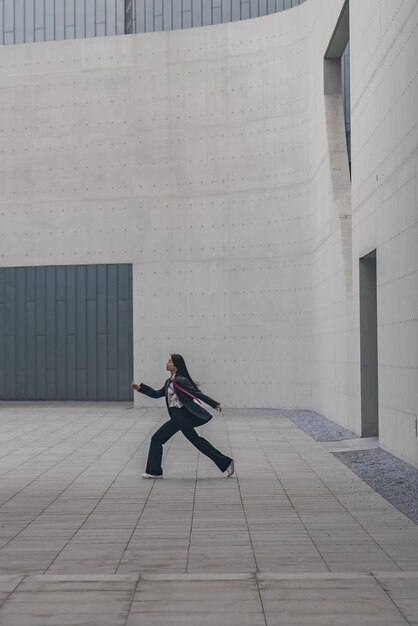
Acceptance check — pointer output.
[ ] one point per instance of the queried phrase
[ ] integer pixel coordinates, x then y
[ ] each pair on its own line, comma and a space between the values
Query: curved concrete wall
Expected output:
186, 153
211, 159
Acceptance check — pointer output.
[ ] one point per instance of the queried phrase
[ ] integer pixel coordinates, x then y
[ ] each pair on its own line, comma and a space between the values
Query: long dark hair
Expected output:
181, 367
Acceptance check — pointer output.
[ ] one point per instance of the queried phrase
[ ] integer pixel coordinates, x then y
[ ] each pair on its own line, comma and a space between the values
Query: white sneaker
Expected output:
151, 475
230, 469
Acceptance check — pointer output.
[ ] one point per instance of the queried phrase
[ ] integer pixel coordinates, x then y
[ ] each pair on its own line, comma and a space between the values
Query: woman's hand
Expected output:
136, 386
219, 408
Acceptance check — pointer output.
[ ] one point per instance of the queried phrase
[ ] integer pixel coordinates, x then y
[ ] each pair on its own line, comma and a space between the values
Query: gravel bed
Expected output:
318, 427
392, 478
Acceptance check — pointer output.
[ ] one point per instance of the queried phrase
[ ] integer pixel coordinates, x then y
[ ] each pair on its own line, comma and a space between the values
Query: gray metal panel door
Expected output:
66, 332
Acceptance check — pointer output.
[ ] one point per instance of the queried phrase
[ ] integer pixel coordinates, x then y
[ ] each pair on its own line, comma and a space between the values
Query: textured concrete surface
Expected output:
294, 538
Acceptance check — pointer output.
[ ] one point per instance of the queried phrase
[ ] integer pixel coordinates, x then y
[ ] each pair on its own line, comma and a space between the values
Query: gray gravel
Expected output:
392, 478
318, 427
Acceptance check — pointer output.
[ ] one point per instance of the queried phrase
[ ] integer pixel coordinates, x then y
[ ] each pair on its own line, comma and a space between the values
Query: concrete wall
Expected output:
186, 153
384, 47
211, 159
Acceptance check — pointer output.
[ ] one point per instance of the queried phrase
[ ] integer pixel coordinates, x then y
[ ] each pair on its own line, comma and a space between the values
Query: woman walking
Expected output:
183, 399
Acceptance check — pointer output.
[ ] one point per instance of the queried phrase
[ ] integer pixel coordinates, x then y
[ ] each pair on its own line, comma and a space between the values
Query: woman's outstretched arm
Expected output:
149, 391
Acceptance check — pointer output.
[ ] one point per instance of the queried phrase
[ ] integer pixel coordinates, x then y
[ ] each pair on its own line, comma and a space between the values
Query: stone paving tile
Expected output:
61, 602
22, 562
103, 536
225, 558
57, 619
203, 601
150, 559
187, 618
402, 588
85, 558
96, 582
145, 564
327, 601
39, 608
111, 520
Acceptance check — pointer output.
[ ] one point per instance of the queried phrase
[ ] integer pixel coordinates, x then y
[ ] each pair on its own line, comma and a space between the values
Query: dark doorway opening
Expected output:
368, 346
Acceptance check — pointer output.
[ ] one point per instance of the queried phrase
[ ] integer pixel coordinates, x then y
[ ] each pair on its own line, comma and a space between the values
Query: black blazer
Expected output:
188, 402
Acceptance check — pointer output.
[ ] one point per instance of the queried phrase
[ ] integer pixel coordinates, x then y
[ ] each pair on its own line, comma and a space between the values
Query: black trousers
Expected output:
181, 419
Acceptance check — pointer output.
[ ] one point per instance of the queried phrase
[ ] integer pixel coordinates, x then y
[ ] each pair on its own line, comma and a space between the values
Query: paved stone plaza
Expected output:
295, 538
